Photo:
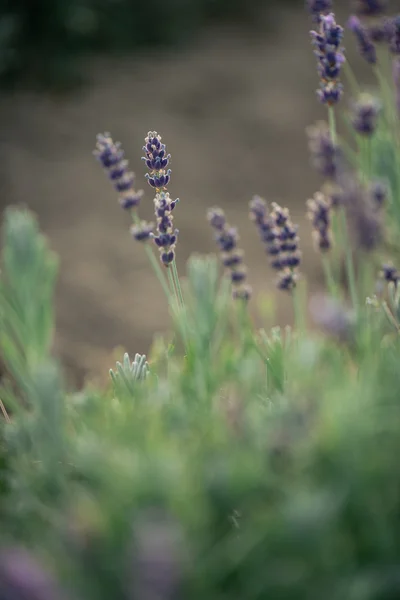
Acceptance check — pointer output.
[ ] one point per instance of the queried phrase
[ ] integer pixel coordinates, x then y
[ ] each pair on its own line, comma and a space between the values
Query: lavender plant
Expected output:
245, 462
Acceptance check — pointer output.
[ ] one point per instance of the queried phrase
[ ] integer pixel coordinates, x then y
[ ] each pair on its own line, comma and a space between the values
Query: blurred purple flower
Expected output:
232, 257
364, 219
365, 113
319, 213
22, 578
325, 154
332, 317
364, 40
157, 557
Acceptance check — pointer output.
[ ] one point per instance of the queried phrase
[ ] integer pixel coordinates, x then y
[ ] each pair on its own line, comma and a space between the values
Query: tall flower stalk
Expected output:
158, 177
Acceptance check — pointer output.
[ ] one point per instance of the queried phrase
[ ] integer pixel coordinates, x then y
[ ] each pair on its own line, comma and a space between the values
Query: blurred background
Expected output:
230, 86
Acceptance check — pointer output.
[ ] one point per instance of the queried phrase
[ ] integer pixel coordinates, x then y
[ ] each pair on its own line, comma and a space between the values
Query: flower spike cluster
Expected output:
329, 51
232, 257
280, 238
320, 214
157, 160
167, 236
112, 157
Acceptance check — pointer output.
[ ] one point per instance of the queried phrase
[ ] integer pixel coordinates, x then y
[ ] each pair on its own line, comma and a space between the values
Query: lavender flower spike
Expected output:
329, 51
280, 239
157, 160
166, 236
227, 238
111, 156
365, 44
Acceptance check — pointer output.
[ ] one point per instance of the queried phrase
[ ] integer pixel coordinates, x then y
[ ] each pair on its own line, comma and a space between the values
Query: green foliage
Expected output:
235, 463
252, 468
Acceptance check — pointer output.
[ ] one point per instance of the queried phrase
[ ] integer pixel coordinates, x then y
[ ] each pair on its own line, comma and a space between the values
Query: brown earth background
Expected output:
232, 109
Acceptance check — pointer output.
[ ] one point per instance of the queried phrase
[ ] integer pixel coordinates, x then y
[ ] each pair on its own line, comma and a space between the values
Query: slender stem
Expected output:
332, 123
390, 317
153, 260
158, 270
177, 282
349, 260
5, 414
172, 283
330, 279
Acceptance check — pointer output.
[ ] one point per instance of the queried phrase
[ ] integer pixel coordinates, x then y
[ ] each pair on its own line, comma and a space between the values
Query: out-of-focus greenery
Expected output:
43, 39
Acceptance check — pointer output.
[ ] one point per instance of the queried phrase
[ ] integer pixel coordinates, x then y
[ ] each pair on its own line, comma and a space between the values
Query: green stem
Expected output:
351, 278
172, 283
153, 260
329, 277
332, 123
177, 283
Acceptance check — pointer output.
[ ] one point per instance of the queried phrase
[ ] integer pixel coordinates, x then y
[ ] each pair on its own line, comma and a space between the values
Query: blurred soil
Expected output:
233, 111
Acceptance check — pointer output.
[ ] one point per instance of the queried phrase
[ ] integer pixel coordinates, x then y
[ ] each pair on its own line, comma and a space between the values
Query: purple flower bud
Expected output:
365, 113
131, 200
142, 232
379, 192
168, 257
238, 276
390, 274
287, 280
